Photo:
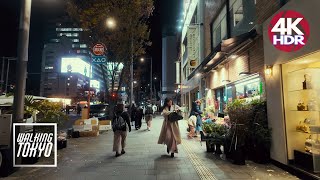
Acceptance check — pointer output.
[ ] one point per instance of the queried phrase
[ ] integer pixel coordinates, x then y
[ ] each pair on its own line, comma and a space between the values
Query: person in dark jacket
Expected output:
138, 118
133, 114
197, 112
119, 140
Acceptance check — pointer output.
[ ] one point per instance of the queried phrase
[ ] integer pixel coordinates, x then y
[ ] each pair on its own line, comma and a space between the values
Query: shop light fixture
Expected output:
226, 81
268, 70
233, 56
244, 73
198, 74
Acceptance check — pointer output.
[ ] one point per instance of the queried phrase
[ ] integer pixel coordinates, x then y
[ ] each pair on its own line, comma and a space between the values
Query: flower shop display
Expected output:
214, 135
249, 134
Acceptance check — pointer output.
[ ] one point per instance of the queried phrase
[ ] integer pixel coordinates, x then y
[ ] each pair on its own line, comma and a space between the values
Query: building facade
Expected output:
293, 91
230, 53
240, 62
169, 58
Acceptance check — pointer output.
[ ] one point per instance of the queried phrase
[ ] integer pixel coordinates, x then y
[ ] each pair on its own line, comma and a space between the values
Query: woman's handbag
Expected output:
175, 116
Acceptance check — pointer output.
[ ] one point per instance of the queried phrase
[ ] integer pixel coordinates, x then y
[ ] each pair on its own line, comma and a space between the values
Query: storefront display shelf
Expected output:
307, 110
303, 90
303, 69
307, 132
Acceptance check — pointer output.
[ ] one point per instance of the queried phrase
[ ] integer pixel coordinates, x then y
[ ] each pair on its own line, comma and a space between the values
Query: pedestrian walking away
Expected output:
78, 109
170, 133
138, 118
133, 114
148, 116
120, 126
154, 108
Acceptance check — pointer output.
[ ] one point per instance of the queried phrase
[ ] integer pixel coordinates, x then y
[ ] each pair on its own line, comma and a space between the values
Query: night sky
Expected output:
164, 20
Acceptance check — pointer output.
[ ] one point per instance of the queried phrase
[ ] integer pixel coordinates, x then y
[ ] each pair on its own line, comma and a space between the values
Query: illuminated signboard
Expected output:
95, 84
75, 65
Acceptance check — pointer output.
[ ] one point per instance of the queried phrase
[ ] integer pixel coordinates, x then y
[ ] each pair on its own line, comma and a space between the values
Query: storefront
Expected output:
293, 95
249, 87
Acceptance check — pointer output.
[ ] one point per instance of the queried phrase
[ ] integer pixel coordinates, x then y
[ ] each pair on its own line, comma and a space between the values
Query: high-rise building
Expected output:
65, 40
169, 58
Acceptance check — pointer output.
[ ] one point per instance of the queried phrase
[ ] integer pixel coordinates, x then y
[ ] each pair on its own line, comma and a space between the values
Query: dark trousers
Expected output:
138, 122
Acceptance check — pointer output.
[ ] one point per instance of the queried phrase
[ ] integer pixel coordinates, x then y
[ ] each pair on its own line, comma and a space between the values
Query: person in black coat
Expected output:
133, 114
138, 118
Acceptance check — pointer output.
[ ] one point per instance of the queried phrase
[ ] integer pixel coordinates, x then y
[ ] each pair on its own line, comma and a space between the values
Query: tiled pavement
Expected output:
92, 158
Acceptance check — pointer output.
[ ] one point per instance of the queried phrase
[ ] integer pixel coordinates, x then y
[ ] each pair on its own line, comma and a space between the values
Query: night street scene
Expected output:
159, 89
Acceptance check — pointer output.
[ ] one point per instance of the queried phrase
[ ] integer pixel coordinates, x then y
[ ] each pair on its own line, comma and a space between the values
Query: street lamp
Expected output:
111, 23
142, 60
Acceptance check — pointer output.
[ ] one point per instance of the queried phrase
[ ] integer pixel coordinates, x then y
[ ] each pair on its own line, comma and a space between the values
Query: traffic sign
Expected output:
99, 59
99, 49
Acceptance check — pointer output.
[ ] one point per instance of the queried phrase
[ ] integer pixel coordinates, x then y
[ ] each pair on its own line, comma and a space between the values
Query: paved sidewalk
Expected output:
92, 158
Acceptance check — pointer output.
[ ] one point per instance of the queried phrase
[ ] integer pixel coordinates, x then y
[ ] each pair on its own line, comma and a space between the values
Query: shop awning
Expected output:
218, 54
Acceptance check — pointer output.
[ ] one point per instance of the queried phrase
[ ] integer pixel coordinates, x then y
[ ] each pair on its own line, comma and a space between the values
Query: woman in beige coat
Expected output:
170, 133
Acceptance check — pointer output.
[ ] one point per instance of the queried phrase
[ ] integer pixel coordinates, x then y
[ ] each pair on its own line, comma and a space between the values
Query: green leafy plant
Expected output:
48, 112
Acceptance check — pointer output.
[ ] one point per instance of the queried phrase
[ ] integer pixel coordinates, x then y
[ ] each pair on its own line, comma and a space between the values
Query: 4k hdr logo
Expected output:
288, 31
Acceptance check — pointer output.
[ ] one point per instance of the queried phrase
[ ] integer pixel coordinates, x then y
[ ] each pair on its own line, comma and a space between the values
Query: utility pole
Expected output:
2, 73
151, 94
21, 68
131, 73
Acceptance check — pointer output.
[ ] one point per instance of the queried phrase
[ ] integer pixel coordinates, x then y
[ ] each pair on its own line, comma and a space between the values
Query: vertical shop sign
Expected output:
193, 46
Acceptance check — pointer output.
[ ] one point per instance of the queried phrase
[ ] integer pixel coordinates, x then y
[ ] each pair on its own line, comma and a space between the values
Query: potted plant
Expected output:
215, 136
259, 138
45, 112
239, 113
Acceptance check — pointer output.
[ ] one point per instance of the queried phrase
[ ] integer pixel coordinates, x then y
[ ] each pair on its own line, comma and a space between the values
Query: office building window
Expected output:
63, 29
219, 28
75, 40
48, 67
68, 34
75, 46
77, 29
54, 40
236, 8
83, 46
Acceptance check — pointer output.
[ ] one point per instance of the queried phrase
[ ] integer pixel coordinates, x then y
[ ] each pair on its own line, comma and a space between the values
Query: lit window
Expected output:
48, 67
77, 29
75, 34
75, 40
54, 40
75, 45
63, 29
83, 46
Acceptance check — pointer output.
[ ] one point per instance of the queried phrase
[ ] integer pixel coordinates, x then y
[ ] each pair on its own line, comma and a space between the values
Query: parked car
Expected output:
100, 111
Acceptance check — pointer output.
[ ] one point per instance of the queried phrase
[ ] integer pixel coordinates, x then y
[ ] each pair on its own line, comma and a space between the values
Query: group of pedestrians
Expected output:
142, 112
170, 133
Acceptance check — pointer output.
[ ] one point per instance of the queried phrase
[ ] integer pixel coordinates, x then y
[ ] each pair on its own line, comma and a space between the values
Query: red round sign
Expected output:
99, 49
289, 31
